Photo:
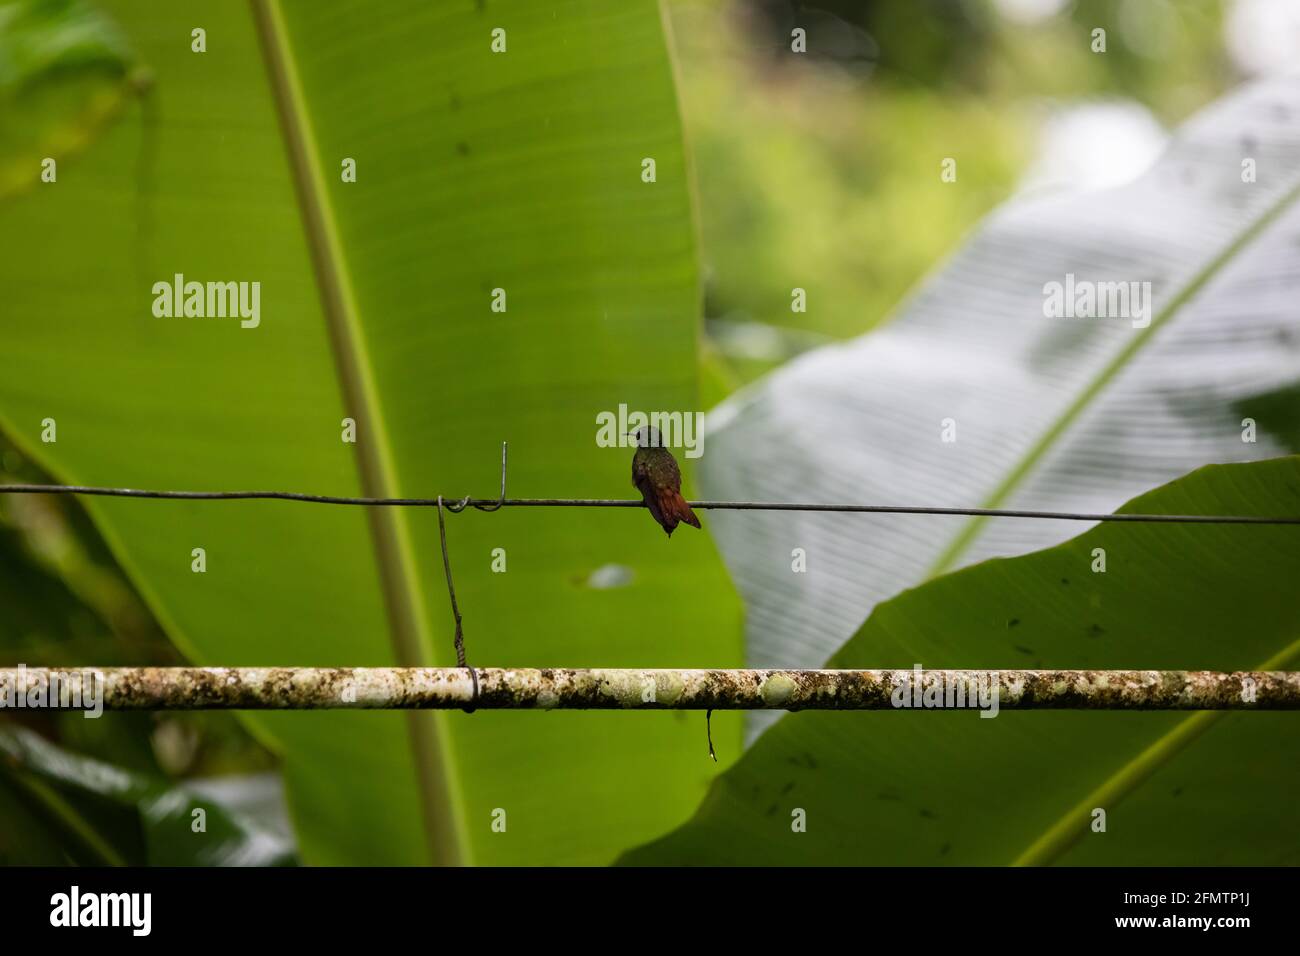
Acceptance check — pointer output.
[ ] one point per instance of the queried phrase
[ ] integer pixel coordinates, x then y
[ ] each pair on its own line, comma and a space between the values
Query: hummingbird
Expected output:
656, 475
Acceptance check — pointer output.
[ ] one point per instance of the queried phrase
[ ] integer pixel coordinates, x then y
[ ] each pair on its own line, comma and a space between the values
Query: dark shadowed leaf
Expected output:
125, 817
902, 787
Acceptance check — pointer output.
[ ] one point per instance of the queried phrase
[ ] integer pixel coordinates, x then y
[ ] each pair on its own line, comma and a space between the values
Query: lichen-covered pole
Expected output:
379, 688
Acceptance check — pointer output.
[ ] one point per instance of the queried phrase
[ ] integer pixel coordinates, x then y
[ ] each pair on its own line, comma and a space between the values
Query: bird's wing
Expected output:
640, 474
673, 473
645, 484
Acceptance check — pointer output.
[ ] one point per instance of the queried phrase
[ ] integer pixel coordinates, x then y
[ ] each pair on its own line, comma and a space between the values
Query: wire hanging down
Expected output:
497, 688
451, 593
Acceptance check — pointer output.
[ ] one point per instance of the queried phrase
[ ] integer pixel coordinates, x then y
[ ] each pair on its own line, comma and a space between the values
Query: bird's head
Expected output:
646, 437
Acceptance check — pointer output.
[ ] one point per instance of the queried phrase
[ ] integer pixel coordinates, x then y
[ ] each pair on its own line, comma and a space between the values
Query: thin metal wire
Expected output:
494, 504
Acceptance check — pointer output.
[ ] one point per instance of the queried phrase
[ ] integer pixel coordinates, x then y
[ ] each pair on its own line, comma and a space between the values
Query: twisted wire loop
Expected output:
455, 608
459, 506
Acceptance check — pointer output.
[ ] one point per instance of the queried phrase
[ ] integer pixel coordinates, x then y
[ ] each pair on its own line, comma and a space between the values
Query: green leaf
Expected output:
1047, 413
951, 787
66, 602
475, 171
83, 802
66, 71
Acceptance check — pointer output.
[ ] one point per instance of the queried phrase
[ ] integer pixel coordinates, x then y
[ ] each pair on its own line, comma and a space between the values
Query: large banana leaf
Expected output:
1049, 413
475, 170
952, 787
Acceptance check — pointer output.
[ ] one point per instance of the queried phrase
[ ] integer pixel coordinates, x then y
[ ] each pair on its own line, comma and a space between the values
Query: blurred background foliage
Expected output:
821, 170
818, 171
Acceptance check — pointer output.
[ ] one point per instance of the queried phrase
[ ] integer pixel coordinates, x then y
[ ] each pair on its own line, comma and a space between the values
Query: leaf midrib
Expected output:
1069, 828
952, 554
440, 796
1062, 834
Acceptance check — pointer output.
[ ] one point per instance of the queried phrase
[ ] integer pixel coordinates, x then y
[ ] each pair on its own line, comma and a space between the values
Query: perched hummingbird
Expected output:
657, 477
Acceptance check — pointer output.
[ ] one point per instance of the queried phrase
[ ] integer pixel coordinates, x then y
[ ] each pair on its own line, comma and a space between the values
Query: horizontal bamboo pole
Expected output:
401, 688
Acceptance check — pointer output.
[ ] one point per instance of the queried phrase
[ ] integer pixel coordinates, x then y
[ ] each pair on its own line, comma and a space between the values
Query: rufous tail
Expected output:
675, 509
